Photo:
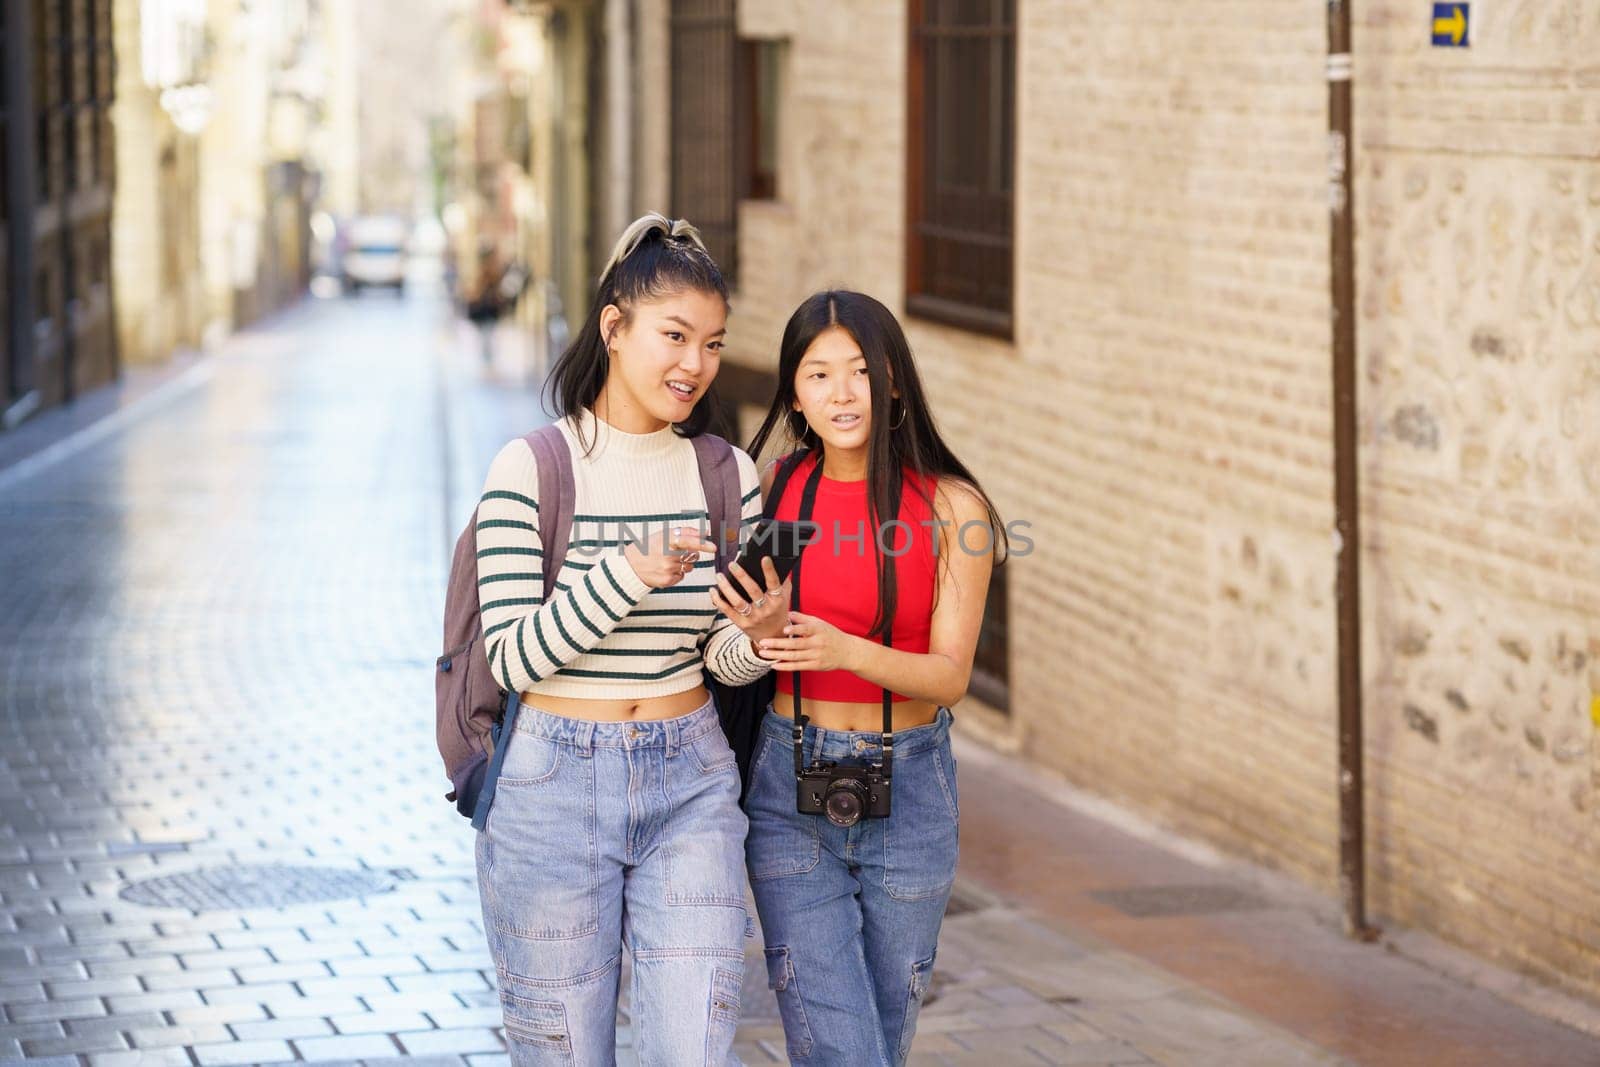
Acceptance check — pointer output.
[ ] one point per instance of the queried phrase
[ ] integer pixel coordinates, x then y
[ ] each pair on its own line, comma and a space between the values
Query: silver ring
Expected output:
744, 610
760, 602
774, 593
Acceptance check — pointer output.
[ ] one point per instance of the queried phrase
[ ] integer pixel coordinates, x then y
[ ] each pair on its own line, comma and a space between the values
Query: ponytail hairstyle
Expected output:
655, 257
904, 438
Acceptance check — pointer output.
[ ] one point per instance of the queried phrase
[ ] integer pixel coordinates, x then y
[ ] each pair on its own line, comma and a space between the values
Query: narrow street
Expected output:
222, 832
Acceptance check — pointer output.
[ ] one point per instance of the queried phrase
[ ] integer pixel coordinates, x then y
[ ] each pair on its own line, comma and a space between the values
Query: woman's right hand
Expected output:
667, 556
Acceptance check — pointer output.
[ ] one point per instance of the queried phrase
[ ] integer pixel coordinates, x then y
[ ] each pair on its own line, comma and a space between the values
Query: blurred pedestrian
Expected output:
486, 304
616, 817
888, 605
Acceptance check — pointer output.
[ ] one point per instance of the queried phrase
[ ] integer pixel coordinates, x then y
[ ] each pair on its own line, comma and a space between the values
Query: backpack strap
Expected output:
553, 459
719, 479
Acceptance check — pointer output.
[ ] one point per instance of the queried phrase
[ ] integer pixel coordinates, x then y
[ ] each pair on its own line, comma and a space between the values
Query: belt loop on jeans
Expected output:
673, 732
583, 738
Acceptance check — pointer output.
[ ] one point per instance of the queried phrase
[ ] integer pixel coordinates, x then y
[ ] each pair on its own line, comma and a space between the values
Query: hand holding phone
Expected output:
754, 592
776, 540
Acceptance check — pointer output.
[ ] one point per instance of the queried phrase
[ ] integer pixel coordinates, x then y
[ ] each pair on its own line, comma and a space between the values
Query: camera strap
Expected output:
808, 502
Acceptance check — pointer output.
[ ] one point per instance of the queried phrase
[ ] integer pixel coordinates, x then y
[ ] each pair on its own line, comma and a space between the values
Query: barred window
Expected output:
991, 666
962, 121
705, 184
761, 66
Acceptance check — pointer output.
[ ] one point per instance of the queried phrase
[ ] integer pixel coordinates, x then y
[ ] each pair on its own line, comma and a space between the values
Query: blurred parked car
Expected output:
375, 253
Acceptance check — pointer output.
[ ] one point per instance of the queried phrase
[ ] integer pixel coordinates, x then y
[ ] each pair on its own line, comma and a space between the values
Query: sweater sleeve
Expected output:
729, 654
527, 639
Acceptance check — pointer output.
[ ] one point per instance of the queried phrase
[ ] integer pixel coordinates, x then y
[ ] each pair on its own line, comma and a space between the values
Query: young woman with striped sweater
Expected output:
616, 815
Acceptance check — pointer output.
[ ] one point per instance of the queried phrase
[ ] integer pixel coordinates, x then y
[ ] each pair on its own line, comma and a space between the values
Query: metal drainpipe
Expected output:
1347, 527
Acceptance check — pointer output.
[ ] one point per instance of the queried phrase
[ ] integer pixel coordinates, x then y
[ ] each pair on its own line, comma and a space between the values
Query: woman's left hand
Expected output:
809, 644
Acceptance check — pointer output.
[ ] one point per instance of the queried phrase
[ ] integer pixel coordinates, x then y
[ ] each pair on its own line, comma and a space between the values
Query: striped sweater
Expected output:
604, 632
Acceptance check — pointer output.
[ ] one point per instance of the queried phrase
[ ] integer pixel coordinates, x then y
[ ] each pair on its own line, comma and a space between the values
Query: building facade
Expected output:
161, 301
530, 162
1106, 229
157, 181
55, 292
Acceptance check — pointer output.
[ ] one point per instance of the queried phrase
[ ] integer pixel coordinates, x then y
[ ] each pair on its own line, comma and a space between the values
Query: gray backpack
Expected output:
472, 712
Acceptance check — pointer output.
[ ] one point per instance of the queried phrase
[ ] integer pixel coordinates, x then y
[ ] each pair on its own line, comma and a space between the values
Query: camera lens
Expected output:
844, 801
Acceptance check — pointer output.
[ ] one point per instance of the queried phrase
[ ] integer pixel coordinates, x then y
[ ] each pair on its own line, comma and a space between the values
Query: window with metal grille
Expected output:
705, 185
991, 666
962, 127
760, 88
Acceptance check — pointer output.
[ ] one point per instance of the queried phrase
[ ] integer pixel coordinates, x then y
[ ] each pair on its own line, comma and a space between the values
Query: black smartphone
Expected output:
776, 540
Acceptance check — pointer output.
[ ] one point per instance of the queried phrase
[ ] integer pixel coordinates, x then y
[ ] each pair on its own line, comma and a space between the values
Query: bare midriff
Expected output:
620, 709
856, 716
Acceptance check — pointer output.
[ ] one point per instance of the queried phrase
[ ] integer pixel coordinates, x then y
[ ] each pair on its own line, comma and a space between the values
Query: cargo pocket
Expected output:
921, 975
780, 979
724, 1015
539, 1030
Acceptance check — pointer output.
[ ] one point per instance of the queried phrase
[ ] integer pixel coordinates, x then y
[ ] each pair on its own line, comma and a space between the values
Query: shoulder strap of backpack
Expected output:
554, 461
719, 479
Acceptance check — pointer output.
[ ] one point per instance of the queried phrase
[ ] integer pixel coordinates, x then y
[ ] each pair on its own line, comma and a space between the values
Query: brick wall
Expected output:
1479, 223
1163, 420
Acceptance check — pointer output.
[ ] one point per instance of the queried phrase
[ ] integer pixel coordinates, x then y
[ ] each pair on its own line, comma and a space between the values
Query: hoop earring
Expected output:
902, 422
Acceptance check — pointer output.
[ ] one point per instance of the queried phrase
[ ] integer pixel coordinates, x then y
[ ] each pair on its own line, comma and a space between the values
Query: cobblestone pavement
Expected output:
222, 832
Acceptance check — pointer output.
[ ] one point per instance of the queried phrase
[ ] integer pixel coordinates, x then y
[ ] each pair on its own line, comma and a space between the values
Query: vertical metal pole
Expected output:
1347, 537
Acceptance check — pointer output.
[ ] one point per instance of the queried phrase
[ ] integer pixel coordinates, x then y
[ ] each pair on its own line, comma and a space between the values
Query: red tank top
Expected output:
839, 579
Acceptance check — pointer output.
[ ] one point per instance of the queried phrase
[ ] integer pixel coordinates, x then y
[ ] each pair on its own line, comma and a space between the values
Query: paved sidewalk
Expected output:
222, 832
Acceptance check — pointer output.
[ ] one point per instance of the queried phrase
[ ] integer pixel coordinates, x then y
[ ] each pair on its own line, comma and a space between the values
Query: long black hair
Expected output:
904, 437
655, 257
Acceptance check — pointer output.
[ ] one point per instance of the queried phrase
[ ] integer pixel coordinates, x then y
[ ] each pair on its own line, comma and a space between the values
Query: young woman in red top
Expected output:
888, 604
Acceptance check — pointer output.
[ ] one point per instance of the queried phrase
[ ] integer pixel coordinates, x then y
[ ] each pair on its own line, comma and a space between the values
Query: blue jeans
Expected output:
851, 916
602, 832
